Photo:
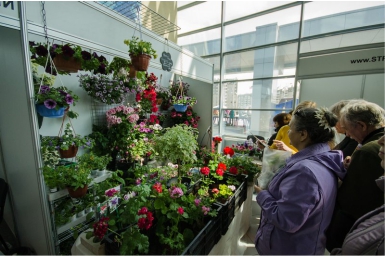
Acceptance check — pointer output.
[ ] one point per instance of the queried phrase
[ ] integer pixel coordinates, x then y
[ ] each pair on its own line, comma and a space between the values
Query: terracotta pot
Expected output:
140, 62
71, 152
80, 192
132, 72
70, 65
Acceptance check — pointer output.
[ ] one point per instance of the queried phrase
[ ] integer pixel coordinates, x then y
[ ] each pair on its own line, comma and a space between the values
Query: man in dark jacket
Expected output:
358, 194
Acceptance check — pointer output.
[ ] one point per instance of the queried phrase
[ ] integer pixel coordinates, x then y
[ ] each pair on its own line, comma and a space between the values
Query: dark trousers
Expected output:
339, 227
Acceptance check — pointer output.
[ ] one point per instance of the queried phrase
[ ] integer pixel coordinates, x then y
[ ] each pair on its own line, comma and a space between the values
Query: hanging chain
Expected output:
44, 21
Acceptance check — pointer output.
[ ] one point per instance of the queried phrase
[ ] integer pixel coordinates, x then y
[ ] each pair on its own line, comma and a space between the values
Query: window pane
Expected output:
215, 62
357, 38
324, 17
237, 9
270, 28
204, 43
183, 3
216, 96
258, 94
266, 62
247, 122
199, 16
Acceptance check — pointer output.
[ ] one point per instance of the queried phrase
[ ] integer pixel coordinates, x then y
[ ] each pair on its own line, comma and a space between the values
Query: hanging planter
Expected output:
69, 153
66, 64
180, 107
77, 193
132, 72
47, 112
140, 62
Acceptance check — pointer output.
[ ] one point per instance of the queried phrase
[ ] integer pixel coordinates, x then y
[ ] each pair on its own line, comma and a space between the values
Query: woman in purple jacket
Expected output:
298, 205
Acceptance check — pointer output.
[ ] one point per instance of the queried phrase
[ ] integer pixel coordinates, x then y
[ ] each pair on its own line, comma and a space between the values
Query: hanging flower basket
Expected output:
180, 107
132, 72
70, 65
140, 61
71, 152
80, 192
47, 112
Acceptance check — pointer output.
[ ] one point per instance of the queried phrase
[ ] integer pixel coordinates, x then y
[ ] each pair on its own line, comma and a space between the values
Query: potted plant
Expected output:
243, 165
69, 143
104, 89
223, 193
179, 97
51, 178
140, 53
75, 178
178, 144
94, 163
53, 101
67, 58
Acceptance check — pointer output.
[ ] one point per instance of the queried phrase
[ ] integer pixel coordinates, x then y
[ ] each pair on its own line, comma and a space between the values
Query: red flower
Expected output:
205, 170
158, 187
219, 172
180, 210
101, 227
142, 211
228, 151
137, 97
222, 166
154, 109
233, 170
217, 140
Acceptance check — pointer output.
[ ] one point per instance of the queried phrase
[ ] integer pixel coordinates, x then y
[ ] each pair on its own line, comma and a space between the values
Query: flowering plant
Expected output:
69, 138
189, 117
121, 115
146, 98
183, 100
55, 97
104, 89
243, 165
140, 47
93, 162
223, 193
227, 151
89, 62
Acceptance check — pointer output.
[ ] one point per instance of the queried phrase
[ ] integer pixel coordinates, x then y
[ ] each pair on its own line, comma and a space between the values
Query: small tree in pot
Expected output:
178, 145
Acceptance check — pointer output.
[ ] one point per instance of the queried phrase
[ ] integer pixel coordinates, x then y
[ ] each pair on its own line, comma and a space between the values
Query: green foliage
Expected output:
51, 176
74, 176
117, 64
243, 165
69, 138
178, 144
93, 162
140, 47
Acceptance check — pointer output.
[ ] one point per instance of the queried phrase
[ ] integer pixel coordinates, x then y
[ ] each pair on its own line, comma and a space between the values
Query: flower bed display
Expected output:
209, 236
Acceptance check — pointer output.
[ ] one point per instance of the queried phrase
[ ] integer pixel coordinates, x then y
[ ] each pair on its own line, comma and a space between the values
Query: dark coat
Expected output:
358, 193
347, 146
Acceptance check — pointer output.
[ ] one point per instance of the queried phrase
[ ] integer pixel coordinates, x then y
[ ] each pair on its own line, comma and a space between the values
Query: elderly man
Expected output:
358, 194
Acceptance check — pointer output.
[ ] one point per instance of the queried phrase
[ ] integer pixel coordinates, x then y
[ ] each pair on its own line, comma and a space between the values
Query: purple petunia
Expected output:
51, 104
69, 100
44, 89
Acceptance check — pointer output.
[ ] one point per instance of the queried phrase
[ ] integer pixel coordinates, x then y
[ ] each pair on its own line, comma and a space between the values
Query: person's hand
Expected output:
257, 189
347, 161
260, 145
282, 146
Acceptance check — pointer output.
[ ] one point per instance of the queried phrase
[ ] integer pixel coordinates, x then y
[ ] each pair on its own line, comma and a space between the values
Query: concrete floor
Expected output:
248, 238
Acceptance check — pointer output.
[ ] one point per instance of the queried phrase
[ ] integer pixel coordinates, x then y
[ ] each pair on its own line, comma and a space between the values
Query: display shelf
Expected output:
64, 192
69, 232
72, 224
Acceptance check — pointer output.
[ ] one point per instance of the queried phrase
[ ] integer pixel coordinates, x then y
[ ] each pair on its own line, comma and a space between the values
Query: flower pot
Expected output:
80, 192
69, 153
53, 190
70, 65
101, 172
94, 173
46, 112
180, 107
140, 61
132, 72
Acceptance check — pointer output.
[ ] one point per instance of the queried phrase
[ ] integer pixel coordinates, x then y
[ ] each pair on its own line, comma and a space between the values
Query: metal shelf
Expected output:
133, 10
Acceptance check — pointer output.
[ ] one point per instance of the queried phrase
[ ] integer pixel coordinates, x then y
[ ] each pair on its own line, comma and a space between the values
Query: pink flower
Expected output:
205, 210
111, 192
180, 210
197, 201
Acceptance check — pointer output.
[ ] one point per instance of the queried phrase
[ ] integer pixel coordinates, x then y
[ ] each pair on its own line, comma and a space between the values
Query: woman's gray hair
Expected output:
364, 111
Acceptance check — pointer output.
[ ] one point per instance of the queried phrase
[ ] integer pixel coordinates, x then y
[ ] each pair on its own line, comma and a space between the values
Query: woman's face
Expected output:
339, 128
382, 150
275, 125
294, 135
